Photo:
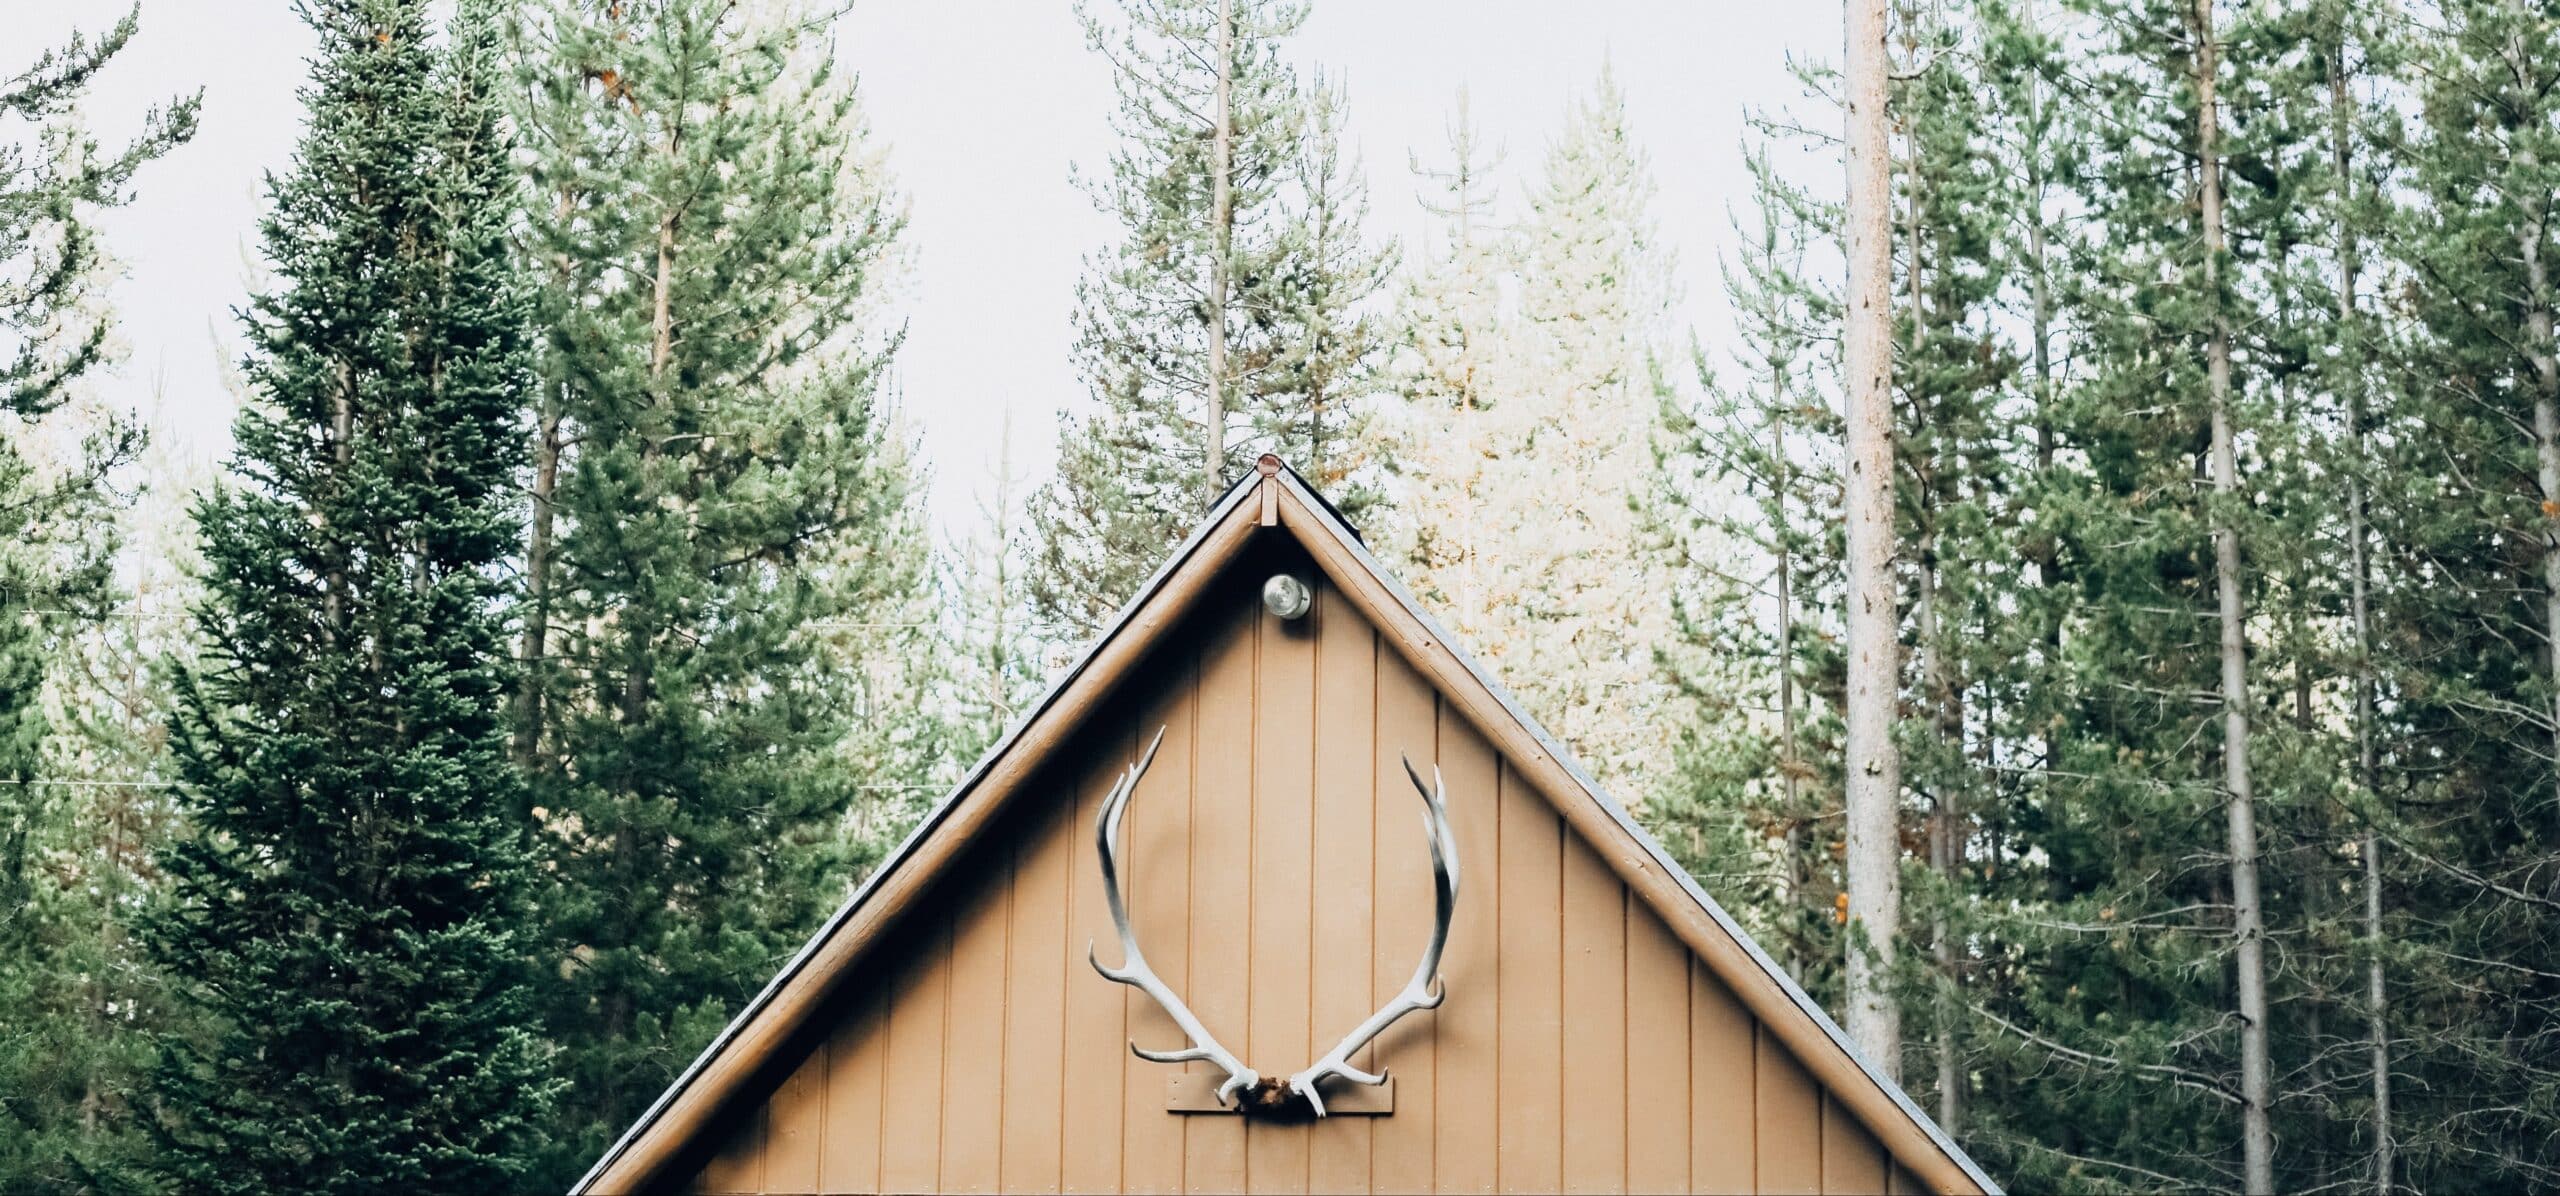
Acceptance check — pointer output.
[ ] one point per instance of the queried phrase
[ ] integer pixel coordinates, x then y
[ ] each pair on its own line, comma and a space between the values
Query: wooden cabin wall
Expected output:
1280, 881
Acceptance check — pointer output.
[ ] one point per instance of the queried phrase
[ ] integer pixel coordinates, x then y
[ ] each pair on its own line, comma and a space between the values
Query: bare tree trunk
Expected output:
2540, 351
1791, 770
1875, 655
2248, 929
1222, 234
537, 583
2360, 613
536, 646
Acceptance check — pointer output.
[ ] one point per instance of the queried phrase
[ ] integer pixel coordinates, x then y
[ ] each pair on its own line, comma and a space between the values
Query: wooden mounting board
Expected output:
1197, 1092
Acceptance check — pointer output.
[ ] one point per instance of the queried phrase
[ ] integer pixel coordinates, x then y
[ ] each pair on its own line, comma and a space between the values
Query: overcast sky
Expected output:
982, 108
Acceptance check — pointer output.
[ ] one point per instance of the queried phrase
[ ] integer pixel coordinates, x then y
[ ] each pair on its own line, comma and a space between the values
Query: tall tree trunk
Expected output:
1945, 700
2257, 1138
2545, 359
1875, 655
537, 583
1222, 147
2360, 608
535, 645
1791, 769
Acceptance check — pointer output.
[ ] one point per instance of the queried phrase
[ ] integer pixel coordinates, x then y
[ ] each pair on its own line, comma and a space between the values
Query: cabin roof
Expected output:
1275, 497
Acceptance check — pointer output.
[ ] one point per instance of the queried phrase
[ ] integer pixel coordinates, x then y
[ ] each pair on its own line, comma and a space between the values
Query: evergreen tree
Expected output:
1742, 514
1958, 459
726, 570
1530, 423
2466, 530
995, 665
1228, 320
1454, 335
2127, 883
88, 1003
348, 904
67, 846
1579, 591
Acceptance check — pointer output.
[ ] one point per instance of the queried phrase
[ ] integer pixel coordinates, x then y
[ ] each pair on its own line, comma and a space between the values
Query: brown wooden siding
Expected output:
1279, 880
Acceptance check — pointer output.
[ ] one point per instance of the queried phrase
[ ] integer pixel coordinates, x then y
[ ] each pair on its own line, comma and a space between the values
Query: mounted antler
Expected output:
1133, 969
1424, 991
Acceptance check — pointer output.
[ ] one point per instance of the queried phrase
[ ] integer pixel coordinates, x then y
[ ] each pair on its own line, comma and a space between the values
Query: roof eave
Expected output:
1228, 507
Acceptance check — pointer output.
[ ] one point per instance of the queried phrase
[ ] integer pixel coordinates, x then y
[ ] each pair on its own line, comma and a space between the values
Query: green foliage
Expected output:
1281, 271
348, 906
2066, 797
731, 581
73, 997
1752, 802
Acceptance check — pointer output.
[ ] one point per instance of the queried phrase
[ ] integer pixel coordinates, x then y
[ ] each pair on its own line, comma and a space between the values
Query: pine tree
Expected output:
55, 332
1748, 480
1454, 330
87, 1002
349, 902
1958, 462
74, 1038
2184, 548
2465, 440
728, 574
1229, 318
996, 668
1529, 427
2147, 935
1335, 346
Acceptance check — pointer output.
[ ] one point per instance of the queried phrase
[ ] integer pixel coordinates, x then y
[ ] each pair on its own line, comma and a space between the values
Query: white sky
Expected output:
982, 108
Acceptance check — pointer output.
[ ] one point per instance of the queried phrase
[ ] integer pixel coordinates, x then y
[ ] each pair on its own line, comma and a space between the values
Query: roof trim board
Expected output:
689, 1104
696, 1093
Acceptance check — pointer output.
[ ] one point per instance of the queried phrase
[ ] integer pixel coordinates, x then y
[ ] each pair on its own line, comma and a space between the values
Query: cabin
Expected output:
1367, 927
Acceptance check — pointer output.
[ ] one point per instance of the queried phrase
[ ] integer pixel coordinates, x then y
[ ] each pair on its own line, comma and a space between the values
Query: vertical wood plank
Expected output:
1348, 790
973, 1039
849, 1161
911, 1119
1790, 1121
1464, 1096
1095, 1024
1222, 944
1657, 1053
1853, 1162
1284, 702
1401, 1146
1158, 849
1723, 1075
1594, 1108
1035, 998
738, 1165
1904, 1183
796, 1127
1530, 1082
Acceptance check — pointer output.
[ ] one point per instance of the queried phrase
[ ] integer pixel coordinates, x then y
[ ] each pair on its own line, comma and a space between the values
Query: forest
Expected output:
405, 799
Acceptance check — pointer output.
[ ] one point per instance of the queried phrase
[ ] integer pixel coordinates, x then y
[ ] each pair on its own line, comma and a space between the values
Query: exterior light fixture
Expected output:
1286, 596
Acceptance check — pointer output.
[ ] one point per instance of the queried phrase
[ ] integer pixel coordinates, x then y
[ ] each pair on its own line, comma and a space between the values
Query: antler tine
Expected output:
1424, 991
1133, 970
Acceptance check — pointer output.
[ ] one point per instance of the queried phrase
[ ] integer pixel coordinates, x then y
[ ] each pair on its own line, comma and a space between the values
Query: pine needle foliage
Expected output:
349, 904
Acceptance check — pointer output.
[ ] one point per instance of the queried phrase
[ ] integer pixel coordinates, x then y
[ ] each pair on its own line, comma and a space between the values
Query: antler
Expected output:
1423, 991
1133, 969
